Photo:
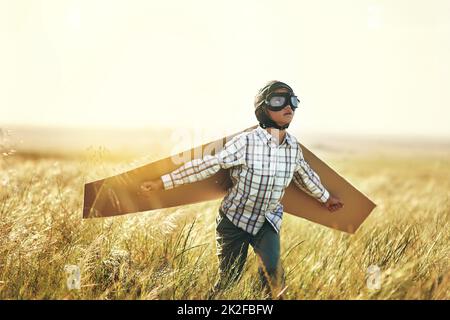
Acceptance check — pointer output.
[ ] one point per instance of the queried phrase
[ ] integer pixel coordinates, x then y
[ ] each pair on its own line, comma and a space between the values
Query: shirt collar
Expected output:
266, 136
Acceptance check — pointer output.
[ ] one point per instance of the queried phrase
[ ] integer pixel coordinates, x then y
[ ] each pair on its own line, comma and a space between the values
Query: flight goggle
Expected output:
277, 101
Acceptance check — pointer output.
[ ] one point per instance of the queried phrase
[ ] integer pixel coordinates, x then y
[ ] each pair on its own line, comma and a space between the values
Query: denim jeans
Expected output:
232, 247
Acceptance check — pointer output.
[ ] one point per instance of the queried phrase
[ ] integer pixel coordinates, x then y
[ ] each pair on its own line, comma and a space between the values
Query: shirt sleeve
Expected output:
233, 154
308, 180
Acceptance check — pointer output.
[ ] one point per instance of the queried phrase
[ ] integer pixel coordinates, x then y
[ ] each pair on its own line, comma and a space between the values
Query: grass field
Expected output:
170, 253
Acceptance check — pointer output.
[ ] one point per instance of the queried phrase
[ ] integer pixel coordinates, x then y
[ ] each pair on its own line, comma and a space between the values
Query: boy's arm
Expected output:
233, 154
308, 180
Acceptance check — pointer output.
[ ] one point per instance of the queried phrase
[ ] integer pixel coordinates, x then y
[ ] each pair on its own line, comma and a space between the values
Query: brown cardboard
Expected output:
120, 194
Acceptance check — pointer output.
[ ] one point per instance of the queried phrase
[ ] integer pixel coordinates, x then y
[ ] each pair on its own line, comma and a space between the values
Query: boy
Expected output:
261, 164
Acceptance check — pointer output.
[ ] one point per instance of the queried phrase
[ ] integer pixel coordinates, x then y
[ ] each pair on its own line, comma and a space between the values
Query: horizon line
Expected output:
341, 134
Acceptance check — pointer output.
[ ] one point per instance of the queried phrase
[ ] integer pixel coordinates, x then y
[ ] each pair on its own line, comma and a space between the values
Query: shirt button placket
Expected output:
277, 148
272, 168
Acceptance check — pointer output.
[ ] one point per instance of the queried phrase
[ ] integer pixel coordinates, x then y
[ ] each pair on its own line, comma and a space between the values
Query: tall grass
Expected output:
170, 253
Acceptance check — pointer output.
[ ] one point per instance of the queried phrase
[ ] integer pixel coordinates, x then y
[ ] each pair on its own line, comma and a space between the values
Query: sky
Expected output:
359, 67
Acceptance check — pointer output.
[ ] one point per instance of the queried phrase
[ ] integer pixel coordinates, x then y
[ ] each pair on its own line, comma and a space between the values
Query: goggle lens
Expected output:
294, 102
277, 101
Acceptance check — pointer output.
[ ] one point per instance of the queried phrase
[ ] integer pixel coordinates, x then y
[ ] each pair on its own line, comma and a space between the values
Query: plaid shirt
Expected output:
260, 171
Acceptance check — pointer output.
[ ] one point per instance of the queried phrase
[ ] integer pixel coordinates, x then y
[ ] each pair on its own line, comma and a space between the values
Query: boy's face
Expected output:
283, 116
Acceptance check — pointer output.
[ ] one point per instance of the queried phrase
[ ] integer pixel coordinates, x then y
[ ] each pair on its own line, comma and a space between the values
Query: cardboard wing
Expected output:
120, 194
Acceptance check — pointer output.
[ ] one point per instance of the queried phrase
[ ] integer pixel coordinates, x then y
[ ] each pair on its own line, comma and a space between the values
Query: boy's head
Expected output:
275, 105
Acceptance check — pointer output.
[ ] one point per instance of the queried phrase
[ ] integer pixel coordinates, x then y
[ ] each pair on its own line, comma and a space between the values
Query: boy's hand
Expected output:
152, 185
333, 203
